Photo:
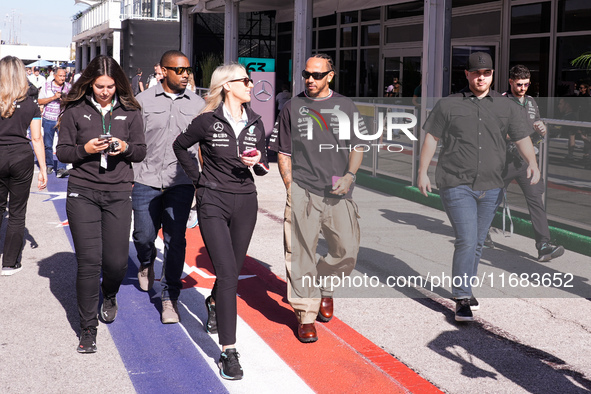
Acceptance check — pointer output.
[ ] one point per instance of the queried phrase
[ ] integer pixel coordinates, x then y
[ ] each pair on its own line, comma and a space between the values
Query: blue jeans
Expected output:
167, 209
49, 130
470, 212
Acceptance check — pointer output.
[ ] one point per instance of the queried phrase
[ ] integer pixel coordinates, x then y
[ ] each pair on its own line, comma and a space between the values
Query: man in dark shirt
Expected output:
312, 154
515, 169
472, 126
136, 82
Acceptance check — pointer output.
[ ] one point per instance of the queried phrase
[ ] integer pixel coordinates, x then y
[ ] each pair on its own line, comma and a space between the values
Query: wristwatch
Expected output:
353, 175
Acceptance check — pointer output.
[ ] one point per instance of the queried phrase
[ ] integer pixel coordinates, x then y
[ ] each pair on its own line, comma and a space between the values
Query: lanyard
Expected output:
110, 117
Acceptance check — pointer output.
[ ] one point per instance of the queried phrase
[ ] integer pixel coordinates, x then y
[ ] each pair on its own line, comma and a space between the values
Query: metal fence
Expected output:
567, 177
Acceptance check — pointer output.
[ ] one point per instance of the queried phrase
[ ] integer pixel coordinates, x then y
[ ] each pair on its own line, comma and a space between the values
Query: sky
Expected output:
39, 23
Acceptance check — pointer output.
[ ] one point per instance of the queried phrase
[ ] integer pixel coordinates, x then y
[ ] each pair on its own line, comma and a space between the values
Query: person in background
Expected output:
156, 77
101, 134
191, 83
394, 90
50, 96
515, 168
231, 140
137, 86
163, 193
18, 111
37, 78
283, 97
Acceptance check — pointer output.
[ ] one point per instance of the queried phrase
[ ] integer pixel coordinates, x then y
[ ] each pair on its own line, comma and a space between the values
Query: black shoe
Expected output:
212, 322
488, 242
87, 340
229, 365
109, 309
463, 311
549, 251
474, 305
49, 170
62, 173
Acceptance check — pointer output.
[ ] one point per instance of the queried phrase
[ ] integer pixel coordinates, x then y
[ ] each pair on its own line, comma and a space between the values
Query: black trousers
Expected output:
17, 164
533, 197
100, 222
226, 221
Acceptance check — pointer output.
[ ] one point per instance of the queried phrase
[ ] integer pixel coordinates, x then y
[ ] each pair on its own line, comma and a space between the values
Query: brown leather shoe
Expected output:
325, 312
307, 333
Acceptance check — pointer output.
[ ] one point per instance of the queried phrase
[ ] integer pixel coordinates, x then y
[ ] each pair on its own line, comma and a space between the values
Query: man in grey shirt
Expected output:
163, 193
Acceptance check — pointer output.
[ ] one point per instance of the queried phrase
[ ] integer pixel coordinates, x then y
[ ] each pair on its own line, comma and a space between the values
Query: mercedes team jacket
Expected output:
220, 149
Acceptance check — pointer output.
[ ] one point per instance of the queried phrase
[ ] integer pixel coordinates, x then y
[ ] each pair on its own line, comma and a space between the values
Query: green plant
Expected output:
583, 61
77, 16
208, 64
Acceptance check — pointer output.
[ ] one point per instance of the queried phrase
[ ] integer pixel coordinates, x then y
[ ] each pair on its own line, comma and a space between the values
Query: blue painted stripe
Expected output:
159, 358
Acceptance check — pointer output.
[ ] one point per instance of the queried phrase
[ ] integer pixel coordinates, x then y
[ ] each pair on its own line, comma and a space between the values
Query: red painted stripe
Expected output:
342, 361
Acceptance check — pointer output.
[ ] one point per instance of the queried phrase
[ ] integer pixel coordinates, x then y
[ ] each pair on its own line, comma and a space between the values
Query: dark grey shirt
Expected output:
164, 119
473, 133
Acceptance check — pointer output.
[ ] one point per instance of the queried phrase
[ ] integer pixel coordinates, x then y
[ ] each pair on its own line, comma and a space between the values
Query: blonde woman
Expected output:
231, 139
17, 112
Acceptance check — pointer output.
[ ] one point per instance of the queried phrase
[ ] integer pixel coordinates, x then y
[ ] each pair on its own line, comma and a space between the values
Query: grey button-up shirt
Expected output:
164, 119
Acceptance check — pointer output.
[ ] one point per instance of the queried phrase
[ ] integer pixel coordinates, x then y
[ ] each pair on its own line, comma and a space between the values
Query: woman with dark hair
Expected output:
101, 133
226, 195
17, 112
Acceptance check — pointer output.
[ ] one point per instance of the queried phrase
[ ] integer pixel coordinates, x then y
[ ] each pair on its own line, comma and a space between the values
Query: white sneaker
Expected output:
193, 220
7, 271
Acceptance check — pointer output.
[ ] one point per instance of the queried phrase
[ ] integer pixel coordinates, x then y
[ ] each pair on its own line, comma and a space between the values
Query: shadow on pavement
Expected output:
485, 354
60, 269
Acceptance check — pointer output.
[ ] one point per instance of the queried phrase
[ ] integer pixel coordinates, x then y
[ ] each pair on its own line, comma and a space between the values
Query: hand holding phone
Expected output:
250, 152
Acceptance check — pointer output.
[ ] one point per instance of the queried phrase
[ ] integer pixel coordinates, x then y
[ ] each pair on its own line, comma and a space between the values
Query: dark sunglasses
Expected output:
244, 80
316, 76
523, 84
180, 70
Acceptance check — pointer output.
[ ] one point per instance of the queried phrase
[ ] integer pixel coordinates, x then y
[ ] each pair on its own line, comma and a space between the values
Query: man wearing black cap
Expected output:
472, 126
37, 79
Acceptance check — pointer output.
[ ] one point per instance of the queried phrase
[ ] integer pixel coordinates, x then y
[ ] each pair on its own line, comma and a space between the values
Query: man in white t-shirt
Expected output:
50, 96
37, 79
156, 77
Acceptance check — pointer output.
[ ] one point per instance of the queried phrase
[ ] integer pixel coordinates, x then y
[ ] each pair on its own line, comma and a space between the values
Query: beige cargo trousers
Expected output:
307, 215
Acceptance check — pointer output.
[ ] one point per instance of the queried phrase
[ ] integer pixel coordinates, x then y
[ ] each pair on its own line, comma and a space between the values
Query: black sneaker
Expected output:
87, 340
49, 170
474, 305
463, 311
229, 365
109, 309
549, 251
62, 173
488, 242
7, 271
212, 323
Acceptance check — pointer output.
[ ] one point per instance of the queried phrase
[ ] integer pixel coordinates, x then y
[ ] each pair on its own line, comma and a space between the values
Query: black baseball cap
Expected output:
479, 61
35, 68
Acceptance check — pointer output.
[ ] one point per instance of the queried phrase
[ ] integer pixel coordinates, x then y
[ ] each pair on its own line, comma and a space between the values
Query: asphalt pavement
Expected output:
531, 334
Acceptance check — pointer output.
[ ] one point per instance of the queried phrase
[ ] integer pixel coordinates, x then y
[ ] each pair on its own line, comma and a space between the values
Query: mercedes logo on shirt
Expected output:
218, 126
263, 90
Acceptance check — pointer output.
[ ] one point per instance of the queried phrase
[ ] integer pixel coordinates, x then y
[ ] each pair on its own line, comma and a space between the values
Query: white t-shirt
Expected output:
37, 80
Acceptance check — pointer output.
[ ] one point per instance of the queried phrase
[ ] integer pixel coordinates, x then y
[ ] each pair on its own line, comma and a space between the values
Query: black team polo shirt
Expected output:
13, 130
